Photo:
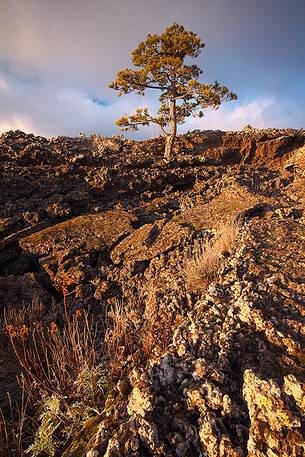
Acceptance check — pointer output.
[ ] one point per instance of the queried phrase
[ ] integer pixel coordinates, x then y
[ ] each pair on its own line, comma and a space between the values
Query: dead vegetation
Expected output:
205, 260
66, 369
58, 366
135, 331
52, 355
15, 426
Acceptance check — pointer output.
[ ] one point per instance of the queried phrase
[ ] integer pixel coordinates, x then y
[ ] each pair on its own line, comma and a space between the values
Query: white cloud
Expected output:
260, 113
50, 110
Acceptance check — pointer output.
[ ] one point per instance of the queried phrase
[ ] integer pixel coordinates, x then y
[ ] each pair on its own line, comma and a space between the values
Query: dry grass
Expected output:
118, 338
15, 427
157, 330
205, 261
134, 332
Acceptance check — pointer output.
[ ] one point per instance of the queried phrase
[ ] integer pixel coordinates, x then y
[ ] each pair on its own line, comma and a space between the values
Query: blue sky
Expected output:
57, 58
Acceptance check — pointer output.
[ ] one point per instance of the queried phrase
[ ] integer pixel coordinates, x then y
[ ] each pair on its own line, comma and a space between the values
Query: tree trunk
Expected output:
170, 138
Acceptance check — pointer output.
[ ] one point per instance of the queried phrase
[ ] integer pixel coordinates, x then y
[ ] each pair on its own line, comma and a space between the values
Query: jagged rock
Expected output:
272, 421
232, 202
149, 241
296, 389
87, 233
68, 251
259, 147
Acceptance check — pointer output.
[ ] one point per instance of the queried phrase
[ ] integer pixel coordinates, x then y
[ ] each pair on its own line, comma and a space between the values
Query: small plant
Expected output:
192, 225
60, 375
66, 372
205, 261
53, 356
51, 418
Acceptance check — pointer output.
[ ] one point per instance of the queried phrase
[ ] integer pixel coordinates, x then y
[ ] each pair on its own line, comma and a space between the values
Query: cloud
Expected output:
260, 113
48, 109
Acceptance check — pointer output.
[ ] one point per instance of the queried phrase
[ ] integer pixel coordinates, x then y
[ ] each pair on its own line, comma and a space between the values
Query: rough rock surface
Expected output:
110, 220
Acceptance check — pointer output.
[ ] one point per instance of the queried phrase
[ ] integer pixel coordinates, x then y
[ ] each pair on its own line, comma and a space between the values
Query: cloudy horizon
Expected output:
57, 59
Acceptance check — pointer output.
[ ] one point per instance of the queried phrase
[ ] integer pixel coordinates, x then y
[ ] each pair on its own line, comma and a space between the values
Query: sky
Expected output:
57, 58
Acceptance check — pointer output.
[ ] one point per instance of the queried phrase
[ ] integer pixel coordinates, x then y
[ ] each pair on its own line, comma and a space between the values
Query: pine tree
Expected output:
161, 66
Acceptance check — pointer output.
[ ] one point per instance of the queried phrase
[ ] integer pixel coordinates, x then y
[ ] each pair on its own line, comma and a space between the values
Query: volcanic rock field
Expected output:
106, 221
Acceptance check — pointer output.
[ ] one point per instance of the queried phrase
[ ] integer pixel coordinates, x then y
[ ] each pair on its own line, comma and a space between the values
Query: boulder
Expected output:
149, 241
66, 251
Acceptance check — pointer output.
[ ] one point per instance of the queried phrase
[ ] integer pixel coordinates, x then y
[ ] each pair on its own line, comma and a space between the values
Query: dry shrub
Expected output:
16, 428
205, 260
67, 371
57, 365
53, 356
24, 313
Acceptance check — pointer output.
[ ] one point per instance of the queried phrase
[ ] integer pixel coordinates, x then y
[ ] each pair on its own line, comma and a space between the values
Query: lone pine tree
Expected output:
161, 66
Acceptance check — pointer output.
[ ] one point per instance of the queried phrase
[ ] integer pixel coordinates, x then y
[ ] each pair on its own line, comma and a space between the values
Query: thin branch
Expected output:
161, 127
149, 87
179, 96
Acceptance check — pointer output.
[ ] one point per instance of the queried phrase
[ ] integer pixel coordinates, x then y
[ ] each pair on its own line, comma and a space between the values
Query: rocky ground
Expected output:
109, 221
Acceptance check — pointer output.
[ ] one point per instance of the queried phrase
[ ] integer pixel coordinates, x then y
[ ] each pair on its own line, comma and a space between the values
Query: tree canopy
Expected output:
160, 65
